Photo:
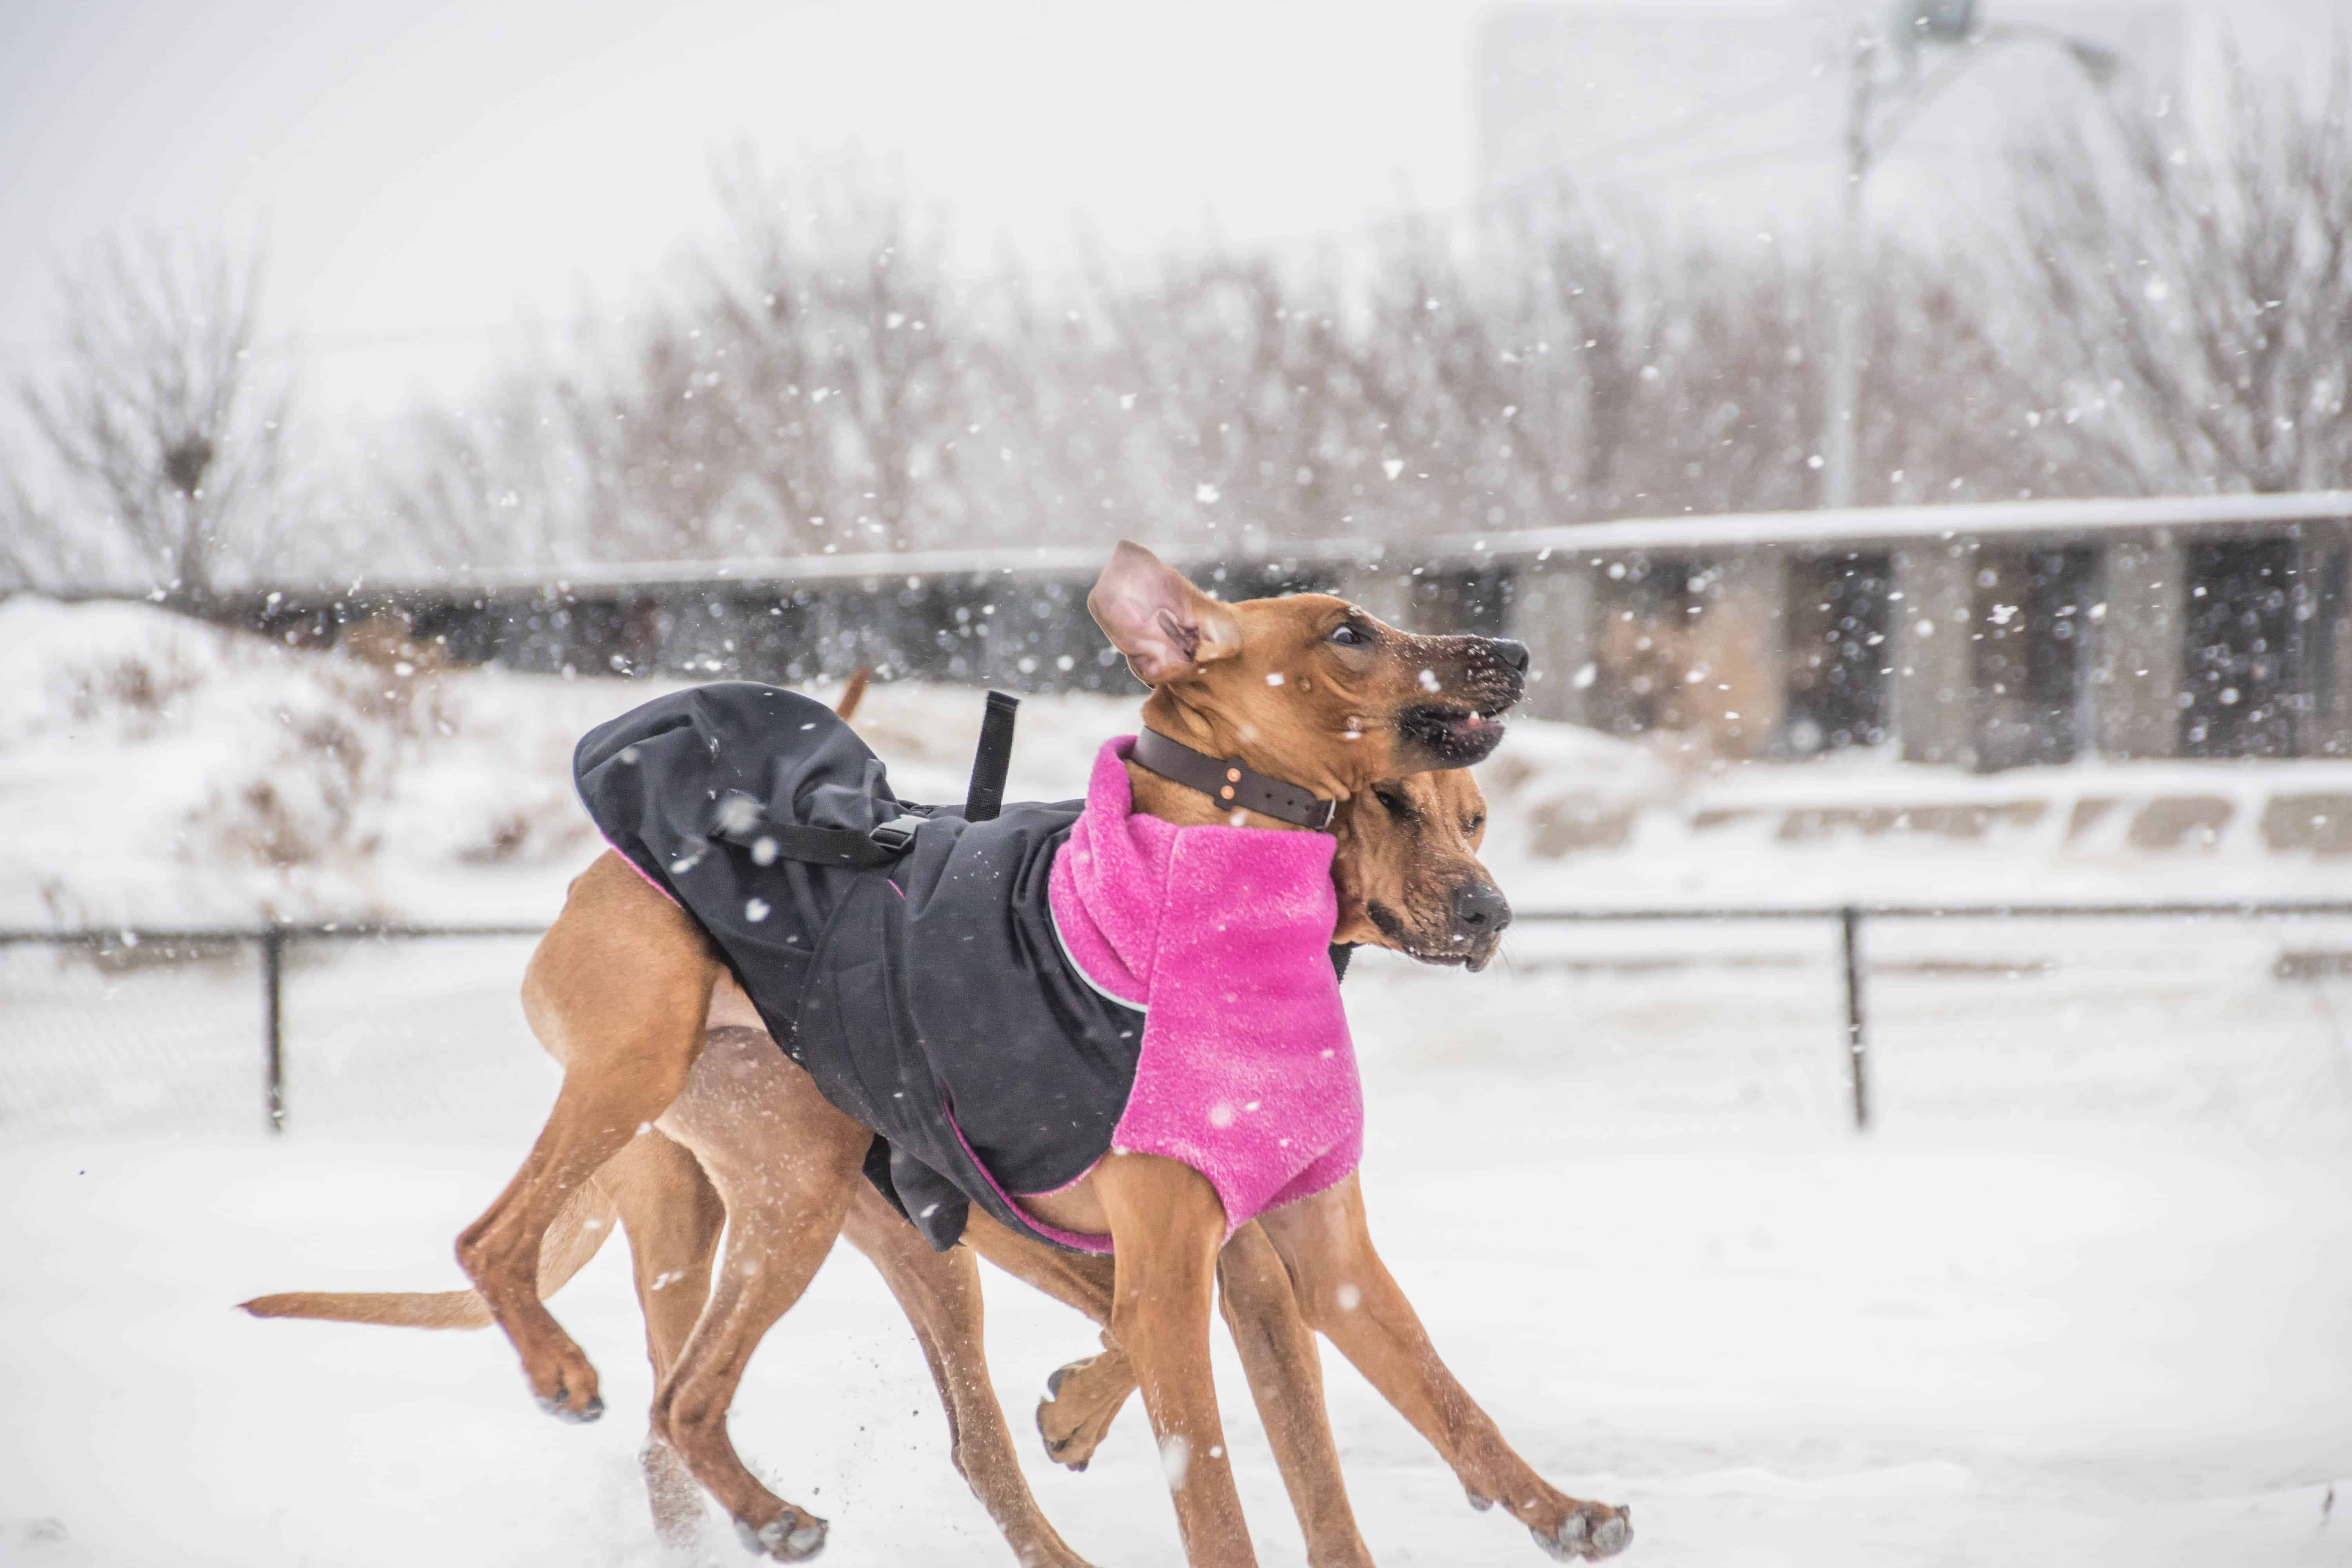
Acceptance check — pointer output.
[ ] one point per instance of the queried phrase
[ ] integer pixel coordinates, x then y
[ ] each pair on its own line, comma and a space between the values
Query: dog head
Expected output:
1307, 689
1408, 873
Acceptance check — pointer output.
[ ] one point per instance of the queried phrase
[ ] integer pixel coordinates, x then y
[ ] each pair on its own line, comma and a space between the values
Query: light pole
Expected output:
1868, 135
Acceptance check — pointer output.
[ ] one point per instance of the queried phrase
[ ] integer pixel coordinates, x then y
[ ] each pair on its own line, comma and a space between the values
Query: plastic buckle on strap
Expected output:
897, 834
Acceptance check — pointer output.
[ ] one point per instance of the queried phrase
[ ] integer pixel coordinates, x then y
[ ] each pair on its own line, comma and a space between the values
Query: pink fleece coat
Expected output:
1222, 936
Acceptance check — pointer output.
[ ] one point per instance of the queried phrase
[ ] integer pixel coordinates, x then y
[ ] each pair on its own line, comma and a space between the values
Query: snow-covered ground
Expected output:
2081, 1298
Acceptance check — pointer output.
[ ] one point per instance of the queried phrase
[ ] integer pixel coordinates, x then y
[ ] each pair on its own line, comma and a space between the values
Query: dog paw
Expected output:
1081, 1400
1591, 1531
565, 1408
572, 1396
566, 1388
793, 1537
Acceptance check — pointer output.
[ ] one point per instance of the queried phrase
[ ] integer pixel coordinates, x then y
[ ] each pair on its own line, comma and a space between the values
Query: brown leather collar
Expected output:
1229, 784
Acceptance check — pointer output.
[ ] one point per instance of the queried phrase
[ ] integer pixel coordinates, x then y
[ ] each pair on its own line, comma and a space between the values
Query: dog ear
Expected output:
1167, 628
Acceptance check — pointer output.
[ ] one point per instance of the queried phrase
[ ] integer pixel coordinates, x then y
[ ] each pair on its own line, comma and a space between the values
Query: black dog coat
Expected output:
888, 985
976, 992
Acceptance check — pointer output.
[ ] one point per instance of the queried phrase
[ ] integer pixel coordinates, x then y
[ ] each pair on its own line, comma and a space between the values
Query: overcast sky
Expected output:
426, 176
439, 169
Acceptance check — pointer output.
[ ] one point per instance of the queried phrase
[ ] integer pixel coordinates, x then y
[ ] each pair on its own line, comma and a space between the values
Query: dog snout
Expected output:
1480, 910
1496, 670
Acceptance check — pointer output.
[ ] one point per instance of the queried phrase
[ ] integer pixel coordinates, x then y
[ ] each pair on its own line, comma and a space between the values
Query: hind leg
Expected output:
784, 1161
673, 1218
941, 1294
617, 993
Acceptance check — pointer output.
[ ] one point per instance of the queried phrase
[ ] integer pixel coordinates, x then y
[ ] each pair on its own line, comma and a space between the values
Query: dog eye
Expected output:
1394, 803
1475, 824
1348, 633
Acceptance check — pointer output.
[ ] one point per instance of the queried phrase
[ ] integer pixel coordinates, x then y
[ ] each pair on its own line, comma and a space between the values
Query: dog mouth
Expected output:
1455, 952
1453, 733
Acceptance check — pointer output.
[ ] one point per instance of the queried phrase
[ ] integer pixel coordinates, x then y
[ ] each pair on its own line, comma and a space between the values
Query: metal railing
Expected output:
1850, 917
271, 941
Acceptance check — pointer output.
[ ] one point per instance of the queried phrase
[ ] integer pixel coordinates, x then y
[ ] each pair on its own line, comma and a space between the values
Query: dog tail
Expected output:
853, 693
399, 1309
580, 1227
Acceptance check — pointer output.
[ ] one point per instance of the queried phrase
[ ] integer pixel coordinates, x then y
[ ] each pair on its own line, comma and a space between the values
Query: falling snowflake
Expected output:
1176, 1459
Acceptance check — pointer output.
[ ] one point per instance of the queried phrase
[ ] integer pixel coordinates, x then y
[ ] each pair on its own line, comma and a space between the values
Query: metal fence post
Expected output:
1857, 1046
273, 1035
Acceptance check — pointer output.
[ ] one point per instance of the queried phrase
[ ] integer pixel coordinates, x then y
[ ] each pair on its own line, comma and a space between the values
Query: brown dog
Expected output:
1408, 877
622, 988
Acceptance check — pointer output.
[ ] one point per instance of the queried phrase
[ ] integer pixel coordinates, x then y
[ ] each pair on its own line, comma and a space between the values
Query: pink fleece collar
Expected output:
1222, 936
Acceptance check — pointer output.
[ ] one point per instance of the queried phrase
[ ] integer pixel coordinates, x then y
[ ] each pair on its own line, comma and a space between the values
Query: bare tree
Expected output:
160, 420
34, 552
2193, 290
2180, 315
510, 478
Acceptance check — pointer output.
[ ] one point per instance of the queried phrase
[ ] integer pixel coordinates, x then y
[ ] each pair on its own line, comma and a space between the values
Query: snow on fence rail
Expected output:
271, 941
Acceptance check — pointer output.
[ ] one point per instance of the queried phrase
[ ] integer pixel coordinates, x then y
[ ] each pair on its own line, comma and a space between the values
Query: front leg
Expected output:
1166, 1227
1277, 1350
1347, 1294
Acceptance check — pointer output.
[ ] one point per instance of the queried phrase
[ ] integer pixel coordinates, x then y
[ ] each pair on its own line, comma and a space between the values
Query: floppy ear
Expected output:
1167, 628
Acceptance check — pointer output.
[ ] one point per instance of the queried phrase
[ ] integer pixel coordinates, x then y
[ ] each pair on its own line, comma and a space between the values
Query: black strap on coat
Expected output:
986, 796
739, 819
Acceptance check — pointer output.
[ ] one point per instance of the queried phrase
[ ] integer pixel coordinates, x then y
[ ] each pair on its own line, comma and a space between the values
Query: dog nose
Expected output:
1480, 909
1511, 652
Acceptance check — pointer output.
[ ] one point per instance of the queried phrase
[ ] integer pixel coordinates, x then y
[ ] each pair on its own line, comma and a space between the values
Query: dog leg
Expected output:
617, 992
786, 1192
1347, 1294
1285, 1380
1277, 1351
1167, 1225
941, 1294
1081, 1397
674, 1219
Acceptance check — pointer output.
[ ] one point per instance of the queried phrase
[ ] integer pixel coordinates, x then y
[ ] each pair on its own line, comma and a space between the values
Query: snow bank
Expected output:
165, 772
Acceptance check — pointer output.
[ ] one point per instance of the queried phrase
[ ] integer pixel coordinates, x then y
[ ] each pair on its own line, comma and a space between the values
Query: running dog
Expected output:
1198, 936
1408, 877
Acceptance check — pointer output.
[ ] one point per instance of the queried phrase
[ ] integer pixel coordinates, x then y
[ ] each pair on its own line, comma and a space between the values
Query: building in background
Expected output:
1981, 638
